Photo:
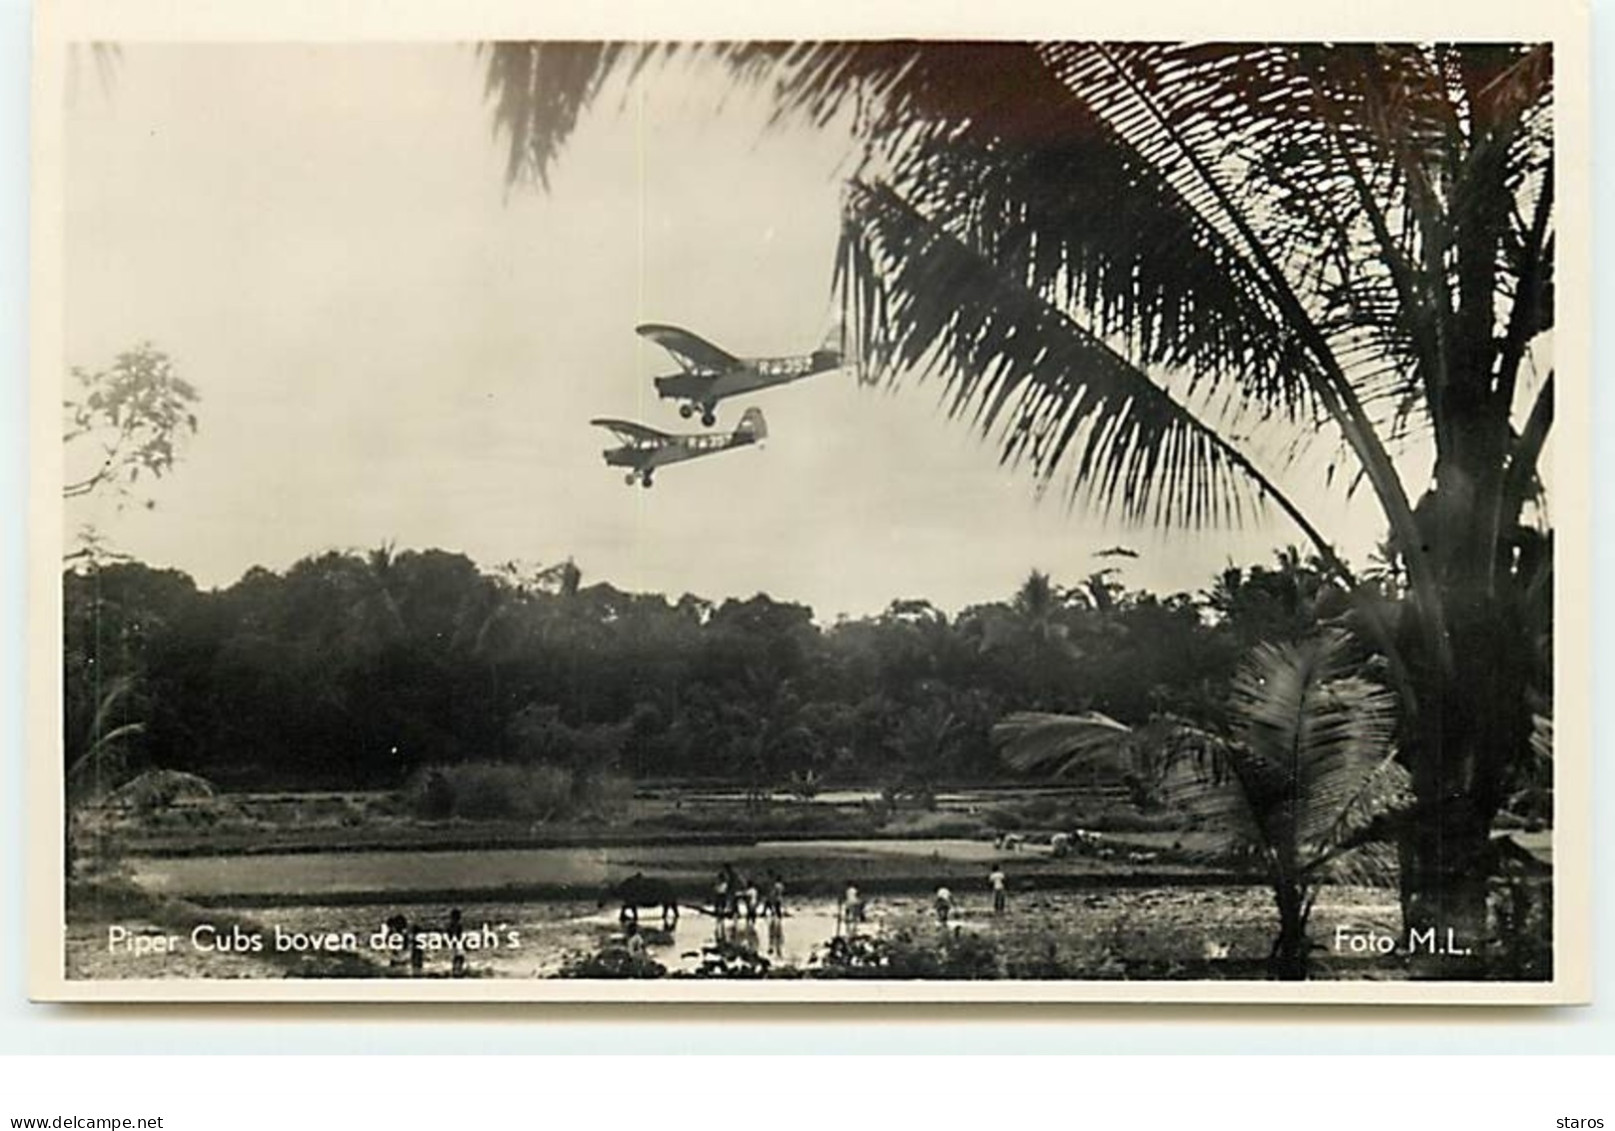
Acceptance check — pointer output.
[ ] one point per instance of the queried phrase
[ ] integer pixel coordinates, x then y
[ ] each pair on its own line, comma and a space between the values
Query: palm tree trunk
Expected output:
1288, 960
1466, 731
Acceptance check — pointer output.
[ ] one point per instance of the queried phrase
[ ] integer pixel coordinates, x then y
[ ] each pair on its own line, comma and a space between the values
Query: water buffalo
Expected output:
640, 890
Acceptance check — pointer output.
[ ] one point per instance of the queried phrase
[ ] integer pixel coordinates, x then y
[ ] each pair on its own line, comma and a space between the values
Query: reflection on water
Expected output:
745, 934
551, 934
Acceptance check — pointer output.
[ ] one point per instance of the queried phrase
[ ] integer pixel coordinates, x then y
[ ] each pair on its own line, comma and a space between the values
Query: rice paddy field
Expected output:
1150, 904
542, 908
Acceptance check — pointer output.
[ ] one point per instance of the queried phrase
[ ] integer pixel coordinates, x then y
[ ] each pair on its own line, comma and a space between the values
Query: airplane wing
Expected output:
630, 431
692, 351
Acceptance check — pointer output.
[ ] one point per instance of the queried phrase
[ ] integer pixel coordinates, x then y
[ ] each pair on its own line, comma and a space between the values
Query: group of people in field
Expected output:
740, 899
734, 897
852, 911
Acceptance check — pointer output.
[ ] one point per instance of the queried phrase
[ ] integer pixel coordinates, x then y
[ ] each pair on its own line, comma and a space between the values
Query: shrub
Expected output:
729, 960
1040, 810
1003, 820
490, 791
1092, 959
1122, 819
431, 797
903, 954
611, 961
942, 825
607, 794
548, 792
487, 792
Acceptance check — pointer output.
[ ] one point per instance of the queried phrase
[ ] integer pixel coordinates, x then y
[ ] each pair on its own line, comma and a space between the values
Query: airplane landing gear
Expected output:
644, 480
708, 417
629, 478
686, 410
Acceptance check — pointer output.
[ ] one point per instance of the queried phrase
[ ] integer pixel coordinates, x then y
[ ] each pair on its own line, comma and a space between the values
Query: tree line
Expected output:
354, 670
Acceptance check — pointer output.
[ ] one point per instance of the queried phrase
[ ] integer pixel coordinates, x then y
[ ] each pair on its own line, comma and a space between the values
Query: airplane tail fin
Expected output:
839, 349
835, 338
753, 425
833, 349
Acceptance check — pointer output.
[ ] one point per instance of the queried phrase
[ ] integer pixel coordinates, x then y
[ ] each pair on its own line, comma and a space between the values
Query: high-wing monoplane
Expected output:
711, 374
643, 449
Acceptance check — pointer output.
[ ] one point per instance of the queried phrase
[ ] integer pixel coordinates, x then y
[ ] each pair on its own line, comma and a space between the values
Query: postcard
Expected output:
1050, 505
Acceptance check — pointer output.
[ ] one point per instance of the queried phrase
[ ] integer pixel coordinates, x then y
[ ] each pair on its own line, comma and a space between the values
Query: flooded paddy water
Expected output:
308, 876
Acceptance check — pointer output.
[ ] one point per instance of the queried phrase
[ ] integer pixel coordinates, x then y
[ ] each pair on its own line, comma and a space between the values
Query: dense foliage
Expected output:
359, 670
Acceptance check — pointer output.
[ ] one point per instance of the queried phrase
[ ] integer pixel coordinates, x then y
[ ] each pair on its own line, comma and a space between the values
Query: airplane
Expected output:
645, 449
711, 374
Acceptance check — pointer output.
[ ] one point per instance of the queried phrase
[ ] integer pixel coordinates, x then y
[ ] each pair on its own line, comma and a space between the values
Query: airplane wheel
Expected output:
644, 481
708, 418
686, 411
629, 478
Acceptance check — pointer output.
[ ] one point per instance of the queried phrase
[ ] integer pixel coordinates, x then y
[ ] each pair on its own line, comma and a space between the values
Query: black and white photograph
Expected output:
801, 519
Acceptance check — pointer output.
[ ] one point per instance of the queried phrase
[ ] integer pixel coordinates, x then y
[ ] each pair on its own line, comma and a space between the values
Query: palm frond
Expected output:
920, 300
1313, 741
903, 91
102, 759
538, 91
1087, 225
103, 765
1062, 744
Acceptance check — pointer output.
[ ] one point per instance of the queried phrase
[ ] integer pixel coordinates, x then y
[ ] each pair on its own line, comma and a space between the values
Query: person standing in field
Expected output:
852, 907
751, 901
397, 940
944, 906
775, 905
417, 951
634, 942
456, 934
720, 897
998, 881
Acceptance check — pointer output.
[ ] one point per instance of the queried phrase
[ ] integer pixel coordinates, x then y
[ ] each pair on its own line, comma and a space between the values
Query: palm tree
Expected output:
1136, 266
375, 618
1034, 624
98, 762
1313, 771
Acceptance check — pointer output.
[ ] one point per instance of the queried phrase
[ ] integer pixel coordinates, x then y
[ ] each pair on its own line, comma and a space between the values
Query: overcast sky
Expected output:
392, 347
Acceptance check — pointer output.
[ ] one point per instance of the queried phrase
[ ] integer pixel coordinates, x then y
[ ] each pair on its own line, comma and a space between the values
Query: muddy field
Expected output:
1094, 934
